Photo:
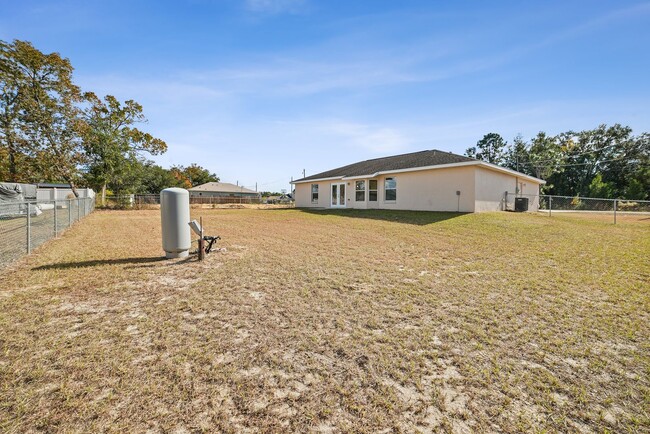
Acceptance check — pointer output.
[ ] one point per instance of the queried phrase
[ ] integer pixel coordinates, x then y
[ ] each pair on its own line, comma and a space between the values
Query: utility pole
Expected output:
303, 173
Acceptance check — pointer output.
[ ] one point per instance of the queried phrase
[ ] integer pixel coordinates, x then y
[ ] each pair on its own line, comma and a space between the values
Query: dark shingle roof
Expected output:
396, 162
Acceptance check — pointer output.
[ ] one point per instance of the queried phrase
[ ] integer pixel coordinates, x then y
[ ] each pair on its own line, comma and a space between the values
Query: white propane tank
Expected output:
175, 216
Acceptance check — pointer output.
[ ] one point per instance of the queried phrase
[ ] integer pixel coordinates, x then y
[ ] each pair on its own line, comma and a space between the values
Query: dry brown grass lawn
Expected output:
331, 322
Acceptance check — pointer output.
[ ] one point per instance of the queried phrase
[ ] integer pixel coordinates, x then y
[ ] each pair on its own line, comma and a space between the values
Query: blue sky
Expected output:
258, 90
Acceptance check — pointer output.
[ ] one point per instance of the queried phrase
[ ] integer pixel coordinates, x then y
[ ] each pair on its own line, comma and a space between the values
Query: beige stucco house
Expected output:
422, 181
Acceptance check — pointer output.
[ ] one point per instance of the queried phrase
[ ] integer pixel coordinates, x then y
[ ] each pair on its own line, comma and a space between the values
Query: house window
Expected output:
372, 190
361, 191
390, 190
314, 193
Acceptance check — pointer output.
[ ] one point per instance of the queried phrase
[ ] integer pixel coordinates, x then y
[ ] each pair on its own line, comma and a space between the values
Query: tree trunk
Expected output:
104, 194
11, 147
12, 163
74, 189
72, 186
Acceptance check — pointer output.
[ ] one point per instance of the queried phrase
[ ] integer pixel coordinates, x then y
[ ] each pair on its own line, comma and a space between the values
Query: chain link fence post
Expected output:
56, 221
615, 206
69, 212
29, 228
550, 205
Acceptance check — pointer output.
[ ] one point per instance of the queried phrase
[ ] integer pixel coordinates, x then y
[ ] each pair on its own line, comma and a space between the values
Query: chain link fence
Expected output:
144, 201
576, 204
26, 225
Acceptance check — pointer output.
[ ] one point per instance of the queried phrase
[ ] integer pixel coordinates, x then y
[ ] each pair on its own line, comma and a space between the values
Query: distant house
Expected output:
427, 180
222, 189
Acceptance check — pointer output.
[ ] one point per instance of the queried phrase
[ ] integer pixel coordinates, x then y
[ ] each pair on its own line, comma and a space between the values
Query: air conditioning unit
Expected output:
521, 204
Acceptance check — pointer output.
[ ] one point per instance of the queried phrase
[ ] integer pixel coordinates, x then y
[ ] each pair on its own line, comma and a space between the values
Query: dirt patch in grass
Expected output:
331, 322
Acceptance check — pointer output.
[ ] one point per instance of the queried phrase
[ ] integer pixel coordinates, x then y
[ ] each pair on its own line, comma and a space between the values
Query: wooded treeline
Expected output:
608, 161
52, 131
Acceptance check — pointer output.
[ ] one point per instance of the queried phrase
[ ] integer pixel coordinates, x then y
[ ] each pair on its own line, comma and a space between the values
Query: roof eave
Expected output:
389, 172
303, 181
438, 166
510, 172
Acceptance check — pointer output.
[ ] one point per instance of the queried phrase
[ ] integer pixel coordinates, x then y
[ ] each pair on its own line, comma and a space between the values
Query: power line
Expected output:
573, 164
580, 154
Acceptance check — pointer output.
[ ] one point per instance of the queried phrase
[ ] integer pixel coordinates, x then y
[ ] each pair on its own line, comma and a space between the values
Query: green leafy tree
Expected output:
112, 143
637, 171
30, 81
50, 114
545, 157
607, 150
608, 161
627, 167
638, 188
154, 178
193, 175
12, 80
490, 148
517, 156
599, 188
270, 193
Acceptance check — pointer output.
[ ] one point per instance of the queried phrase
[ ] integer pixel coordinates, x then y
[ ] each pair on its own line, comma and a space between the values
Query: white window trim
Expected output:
365, 191
385, 179
376, 191
311, 193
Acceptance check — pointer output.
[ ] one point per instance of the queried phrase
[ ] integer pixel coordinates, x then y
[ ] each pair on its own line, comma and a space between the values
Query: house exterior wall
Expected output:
425, 190
491, 187
431, 190
531, 190
303, 195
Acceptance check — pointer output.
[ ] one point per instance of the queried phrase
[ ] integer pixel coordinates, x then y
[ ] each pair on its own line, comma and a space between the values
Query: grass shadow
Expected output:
99, 262
420, 218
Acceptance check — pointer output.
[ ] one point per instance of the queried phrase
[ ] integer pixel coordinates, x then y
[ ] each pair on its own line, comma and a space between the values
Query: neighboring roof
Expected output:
432, 159
52, 185
222, 187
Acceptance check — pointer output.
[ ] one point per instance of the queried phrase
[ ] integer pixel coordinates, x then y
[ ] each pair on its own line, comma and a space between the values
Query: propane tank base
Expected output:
172, 255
